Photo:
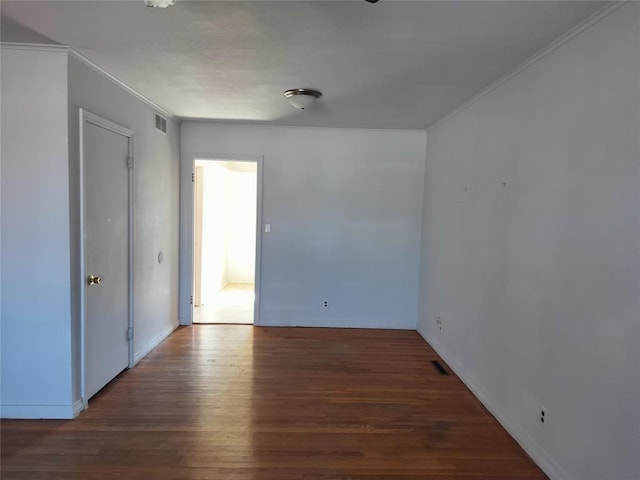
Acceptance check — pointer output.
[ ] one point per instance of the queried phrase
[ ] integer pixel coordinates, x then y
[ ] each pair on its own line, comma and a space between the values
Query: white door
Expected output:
106, 154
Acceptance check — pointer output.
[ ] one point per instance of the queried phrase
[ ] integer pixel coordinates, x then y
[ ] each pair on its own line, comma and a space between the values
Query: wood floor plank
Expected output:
233, 402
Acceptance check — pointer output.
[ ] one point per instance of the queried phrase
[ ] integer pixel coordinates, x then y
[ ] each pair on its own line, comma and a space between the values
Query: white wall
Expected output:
36, 311
241, 253
345, 211
537, 281
42, 88
214, 230
156, 160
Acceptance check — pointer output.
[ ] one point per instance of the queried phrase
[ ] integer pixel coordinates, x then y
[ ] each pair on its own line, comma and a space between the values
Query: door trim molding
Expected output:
87, 117
190, 226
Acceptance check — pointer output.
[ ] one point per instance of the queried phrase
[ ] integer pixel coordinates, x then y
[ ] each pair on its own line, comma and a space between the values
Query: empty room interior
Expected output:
320, 240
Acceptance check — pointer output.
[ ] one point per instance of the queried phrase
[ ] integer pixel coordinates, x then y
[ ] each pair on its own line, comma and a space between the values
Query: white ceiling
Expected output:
393, 64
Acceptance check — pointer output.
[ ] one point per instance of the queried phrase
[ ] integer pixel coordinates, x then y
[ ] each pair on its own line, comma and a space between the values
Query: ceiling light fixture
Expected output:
302, 98
159, 3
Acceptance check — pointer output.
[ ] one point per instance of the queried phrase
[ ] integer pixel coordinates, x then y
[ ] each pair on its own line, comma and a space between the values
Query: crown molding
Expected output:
97, 68
41, 47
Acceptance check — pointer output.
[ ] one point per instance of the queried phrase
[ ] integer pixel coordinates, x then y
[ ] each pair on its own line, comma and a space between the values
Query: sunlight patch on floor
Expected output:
233, 304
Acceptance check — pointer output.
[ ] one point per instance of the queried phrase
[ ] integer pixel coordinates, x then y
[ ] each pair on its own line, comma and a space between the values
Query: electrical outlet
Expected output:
325, 304
439, 322
543, 415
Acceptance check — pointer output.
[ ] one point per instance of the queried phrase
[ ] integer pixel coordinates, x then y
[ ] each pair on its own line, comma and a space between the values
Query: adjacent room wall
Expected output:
530, 252
215, 230
156, 160
345, 213
241, 255
36, 311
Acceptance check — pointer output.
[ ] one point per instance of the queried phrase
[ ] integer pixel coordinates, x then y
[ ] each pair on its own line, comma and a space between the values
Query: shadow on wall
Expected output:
12, 31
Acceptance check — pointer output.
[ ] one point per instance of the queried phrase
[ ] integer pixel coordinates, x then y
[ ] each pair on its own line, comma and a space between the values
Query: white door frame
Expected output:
87, 117
190, 247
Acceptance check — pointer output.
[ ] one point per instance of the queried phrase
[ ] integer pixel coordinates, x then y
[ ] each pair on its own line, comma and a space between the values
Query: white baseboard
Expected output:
153, 343
335, 323
78, 406
37, 411
529, 445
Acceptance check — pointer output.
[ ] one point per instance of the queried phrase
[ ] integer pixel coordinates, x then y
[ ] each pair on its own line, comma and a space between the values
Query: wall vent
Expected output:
439, 368
161, 124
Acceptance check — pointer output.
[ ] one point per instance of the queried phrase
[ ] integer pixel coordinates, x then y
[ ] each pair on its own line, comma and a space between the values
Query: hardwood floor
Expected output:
235, 402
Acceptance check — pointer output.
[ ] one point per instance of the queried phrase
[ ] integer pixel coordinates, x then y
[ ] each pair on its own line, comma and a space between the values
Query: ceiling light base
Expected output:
302, 98
159, 3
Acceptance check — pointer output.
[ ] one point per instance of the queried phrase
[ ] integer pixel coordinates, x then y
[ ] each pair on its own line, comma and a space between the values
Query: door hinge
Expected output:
193, 177
130, 333
130, 162
191, 300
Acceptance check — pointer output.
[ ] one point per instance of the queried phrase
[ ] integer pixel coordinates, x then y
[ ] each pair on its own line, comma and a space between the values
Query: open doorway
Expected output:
225, 207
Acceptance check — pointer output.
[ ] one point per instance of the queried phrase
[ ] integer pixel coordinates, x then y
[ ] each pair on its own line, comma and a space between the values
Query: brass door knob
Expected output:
94, 279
